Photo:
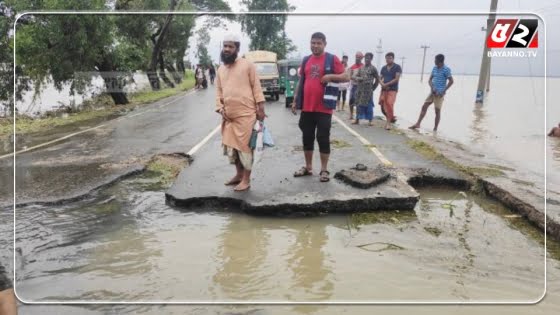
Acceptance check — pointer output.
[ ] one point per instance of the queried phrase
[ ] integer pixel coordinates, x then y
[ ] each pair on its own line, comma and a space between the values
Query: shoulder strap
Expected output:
329, 63
303, 63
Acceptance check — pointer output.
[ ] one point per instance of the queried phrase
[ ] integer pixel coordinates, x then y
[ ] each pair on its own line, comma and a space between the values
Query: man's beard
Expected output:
228, 60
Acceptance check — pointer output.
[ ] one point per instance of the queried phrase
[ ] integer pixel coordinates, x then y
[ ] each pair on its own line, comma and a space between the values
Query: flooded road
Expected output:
131, 247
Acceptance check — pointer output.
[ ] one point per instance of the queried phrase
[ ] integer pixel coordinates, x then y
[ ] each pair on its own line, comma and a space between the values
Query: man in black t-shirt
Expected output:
390, 75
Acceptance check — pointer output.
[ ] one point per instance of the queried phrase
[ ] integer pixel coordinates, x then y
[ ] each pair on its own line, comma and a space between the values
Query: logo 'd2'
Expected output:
514, 33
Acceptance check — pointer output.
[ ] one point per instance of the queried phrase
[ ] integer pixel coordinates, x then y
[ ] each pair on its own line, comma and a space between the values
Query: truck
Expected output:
265, 63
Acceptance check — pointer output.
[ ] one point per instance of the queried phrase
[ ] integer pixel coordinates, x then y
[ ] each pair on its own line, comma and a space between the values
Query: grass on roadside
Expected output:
166, 167
431, 153
96, 108
148, 96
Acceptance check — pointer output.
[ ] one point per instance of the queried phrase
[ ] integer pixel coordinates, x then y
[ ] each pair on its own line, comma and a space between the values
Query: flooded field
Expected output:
124, 244
511, 124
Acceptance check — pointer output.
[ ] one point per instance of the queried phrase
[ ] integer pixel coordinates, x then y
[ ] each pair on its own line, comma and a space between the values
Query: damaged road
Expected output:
69, 169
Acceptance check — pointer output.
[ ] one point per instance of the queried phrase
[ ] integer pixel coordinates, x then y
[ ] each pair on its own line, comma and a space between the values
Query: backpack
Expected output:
331, 89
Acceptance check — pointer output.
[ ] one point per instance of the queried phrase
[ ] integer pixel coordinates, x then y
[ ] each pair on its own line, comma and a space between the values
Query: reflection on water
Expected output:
126, 244
479, 131
308, 265
555, 147
243, 248
509, 125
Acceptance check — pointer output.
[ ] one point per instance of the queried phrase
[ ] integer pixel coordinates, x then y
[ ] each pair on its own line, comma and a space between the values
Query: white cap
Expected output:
231, 37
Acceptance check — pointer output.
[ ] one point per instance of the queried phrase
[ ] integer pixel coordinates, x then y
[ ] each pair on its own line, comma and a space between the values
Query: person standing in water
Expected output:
440, 81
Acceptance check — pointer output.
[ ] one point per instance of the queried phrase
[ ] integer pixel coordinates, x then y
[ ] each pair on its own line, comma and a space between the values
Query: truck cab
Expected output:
265, 64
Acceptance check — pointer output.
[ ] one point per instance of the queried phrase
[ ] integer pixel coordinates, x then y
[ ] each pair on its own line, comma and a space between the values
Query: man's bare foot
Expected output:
234, 181
415, 126
242, 186
355, 122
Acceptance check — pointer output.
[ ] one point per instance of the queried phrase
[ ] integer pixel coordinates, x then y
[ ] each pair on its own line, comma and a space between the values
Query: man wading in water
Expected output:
316, 97
438, 87
240, 101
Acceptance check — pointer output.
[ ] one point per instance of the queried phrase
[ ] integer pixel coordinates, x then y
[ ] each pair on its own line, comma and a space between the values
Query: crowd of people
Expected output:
365, 78
323, 79
201, 82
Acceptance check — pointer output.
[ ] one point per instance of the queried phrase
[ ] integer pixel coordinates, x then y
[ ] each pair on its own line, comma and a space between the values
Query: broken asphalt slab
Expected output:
274, 190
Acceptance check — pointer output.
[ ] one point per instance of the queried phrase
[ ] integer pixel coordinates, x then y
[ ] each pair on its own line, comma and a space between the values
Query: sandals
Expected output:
324, 176
303, 172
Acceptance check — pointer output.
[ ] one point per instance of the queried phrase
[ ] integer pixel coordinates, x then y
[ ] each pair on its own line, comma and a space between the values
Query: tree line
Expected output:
75, 48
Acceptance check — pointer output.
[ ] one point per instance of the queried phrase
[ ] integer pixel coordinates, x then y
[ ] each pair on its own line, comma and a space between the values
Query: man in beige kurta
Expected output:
240, 101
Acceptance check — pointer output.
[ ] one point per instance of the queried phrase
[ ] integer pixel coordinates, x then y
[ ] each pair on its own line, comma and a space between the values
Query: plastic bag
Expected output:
267, 137
259, 143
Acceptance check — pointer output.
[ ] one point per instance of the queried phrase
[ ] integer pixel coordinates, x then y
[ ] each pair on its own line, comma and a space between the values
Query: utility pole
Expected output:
220, 54
402, 65
379, 53
423, 62
484, 74
489, 65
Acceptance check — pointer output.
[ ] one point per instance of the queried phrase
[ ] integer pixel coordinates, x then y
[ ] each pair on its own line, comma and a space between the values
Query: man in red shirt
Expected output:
315, 115
353, 85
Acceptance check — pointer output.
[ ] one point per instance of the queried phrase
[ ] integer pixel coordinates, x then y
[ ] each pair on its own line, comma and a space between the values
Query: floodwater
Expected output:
50, 98
124, 244
511, 124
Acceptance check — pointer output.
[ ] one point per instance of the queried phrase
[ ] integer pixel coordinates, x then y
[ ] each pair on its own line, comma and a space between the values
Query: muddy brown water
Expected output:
124, 244
511, 124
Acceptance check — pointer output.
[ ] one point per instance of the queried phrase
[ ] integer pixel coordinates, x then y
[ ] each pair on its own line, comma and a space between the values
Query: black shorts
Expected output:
342, 94
316, 125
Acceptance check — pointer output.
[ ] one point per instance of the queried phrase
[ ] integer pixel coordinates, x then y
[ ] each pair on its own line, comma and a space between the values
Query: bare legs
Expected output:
242, 178
423, 113
438, 116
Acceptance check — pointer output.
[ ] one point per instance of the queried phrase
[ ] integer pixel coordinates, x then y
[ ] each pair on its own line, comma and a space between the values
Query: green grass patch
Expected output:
148, 96
391, 217
431, 153
25, 124
166, 168
339, 144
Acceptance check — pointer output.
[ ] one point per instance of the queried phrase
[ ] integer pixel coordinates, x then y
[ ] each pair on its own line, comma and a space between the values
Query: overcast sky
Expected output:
458, 37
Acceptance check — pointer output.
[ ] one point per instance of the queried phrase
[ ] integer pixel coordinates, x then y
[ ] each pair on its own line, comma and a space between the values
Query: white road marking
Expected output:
400, 176
203, 142
363, 140
89, 129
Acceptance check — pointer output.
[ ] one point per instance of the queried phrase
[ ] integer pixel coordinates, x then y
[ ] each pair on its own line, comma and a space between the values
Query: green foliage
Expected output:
73, 49
6, 53
267, 32
203, 39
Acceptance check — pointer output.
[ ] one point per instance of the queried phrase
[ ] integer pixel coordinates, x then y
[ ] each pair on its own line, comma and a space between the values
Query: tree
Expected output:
74, 49
6, 53
203, 39
169, 34
267, 32
71, 49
